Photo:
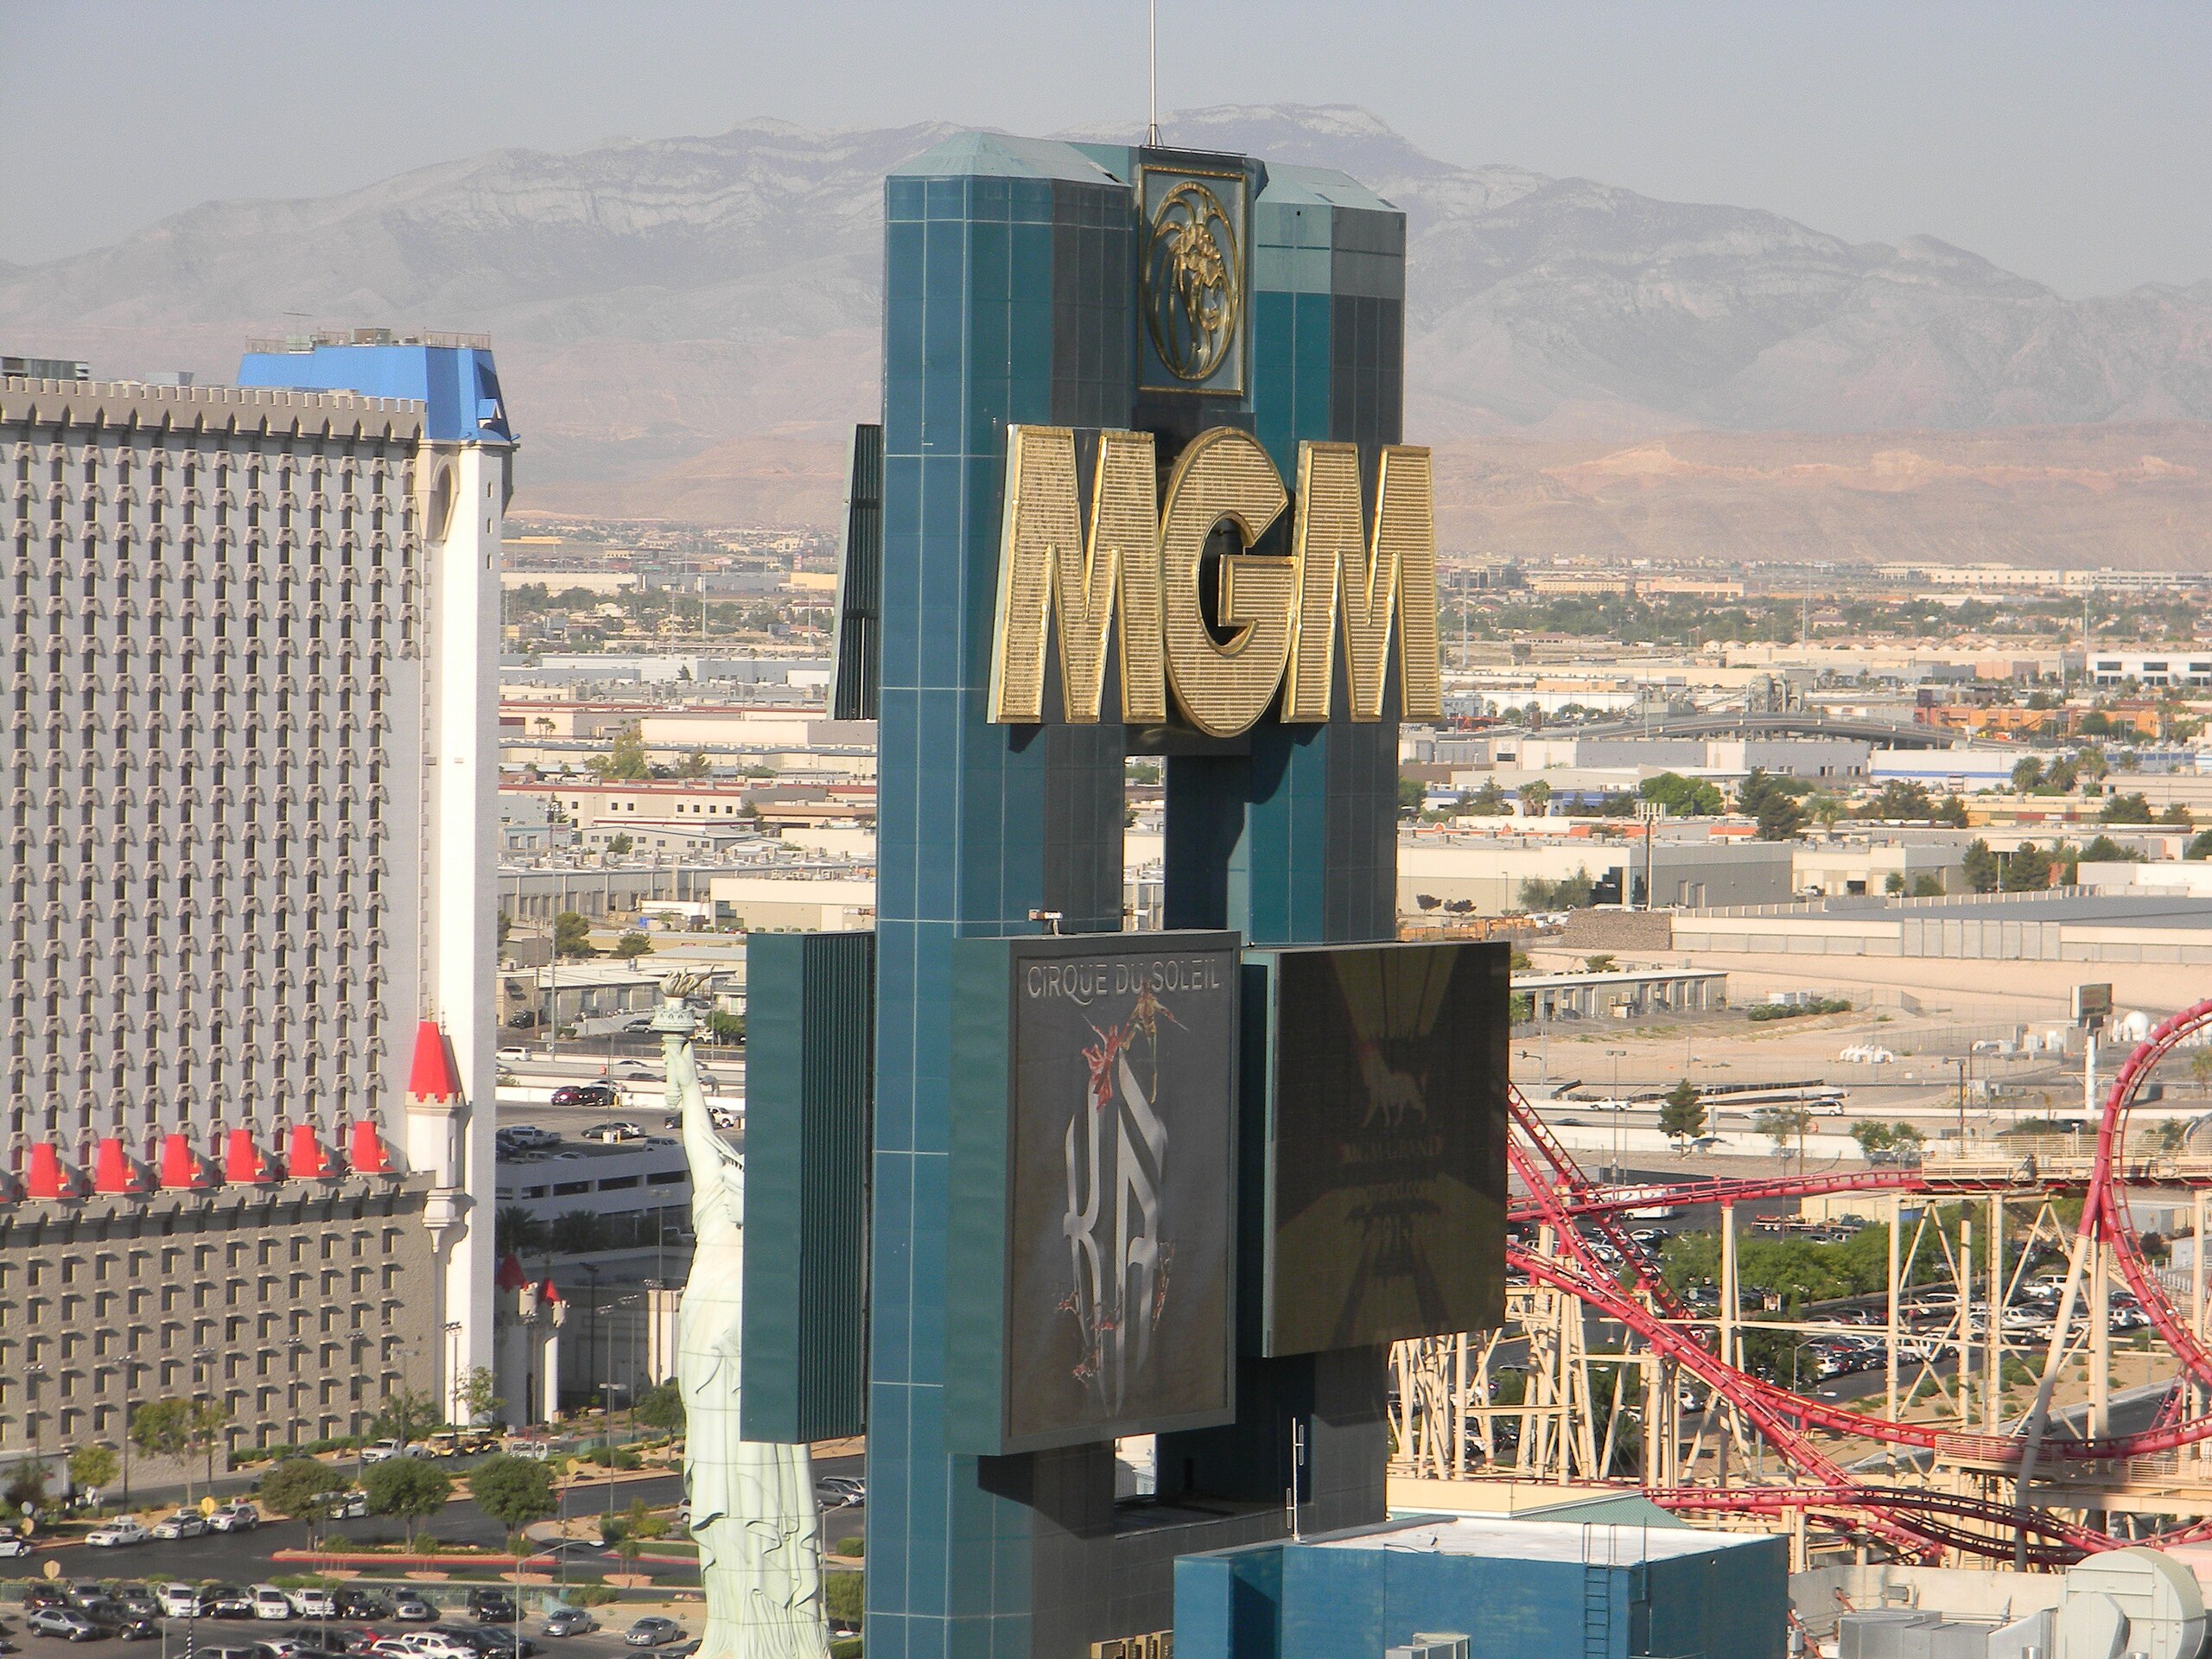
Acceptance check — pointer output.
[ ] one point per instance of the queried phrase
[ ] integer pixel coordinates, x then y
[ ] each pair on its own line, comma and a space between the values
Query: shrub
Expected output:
591, 1595
853, 1545
845, 1594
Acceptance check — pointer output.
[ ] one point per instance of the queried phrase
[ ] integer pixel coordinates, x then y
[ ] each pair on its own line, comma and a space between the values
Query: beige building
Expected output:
769, 904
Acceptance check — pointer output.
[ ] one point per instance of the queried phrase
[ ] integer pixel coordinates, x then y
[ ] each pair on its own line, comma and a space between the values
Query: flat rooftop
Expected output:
1576, 1542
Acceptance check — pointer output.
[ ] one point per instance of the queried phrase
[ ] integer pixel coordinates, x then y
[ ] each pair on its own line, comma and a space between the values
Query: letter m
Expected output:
1048, 566
1343, 570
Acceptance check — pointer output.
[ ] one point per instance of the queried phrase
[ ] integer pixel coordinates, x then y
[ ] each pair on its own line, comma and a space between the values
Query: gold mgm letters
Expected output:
1144, 556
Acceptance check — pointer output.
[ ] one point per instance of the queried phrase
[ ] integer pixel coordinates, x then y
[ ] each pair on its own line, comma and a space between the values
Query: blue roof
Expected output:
458, 383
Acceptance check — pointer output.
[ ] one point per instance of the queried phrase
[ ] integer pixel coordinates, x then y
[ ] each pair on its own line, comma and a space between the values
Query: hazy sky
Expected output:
2070, 143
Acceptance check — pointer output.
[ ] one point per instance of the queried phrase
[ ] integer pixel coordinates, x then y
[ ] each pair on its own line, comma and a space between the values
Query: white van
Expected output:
270, 1603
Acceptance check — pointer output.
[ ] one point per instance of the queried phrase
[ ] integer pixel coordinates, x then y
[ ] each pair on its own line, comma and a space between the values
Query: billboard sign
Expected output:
1094, 1175
2091, 1004
1385, 1167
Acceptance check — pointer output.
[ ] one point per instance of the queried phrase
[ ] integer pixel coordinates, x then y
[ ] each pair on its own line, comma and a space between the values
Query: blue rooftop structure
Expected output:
452, 374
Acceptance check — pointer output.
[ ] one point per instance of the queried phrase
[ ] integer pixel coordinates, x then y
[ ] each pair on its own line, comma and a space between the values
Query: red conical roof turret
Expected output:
432, 1076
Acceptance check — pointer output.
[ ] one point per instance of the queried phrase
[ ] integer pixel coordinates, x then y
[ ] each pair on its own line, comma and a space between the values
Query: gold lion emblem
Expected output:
1192, 294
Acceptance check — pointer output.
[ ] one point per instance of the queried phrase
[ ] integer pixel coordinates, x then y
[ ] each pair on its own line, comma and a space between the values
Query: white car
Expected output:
179, 1600
1826, 1107
514, 1052
184, 1523
13, 1544
315, 1603
616, 1132
235, 1517
380, 1451
270, 1603
117, 1534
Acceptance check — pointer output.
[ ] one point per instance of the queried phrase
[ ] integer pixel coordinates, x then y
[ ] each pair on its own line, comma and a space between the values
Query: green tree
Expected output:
1771, 803
2027, 774
1901, 799
1927, 887
2064, 774
1782, 1125
572, 935
2027, 870
1602, 962
1951, 811
693, 764
639, 1526
625, 760
2199, 1067
1683, 797
302, 1488
726, 1027
2125, 808
480, 1395
407, 1487
1682, 1114
1536, 798
26, 1485
2178, 817
1411, 793
1893, 883
406, 1415
631, 946
1873, 1135
2103, 849
94, 1463
2201, 847
662, 1406
1488, 802
620, 845
1979, 868
514, 1491
516, 1231
163, 1428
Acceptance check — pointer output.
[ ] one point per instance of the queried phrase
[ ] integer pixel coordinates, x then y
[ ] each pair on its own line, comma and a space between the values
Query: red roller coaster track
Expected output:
1562, 1197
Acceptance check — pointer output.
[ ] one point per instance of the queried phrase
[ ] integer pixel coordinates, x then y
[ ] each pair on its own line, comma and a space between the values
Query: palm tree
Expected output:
515, 1231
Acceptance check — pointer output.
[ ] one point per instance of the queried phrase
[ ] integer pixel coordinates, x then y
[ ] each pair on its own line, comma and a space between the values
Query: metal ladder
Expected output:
1597, 1595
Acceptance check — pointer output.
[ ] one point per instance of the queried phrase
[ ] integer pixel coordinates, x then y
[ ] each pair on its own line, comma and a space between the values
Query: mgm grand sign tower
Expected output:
1139, 489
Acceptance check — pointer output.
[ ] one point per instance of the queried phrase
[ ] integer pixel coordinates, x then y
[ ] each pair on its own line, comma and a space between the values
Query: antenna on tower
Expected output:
1152, 65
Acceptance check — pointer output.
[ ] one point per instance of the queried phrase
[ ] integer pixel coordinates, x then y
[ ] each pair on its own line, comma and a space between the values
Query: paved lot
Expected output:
246, 1558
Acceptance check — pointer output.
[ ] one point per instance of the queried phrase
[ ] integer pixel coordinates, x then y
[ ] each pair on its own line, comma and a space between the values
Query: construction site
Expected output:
2021, 1385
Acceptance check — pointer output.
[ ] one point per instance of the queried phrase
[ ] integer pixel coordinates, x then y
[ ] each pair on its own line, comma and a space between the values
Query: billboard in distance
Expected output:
1095, 1160
1386, 1144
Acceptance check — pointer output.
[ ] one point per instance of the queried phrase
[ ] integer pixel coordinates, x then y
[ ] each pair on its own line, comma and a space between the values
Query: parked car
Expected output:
492, 1606
528, 1137
225, 1601
499, 1642
615, 1133
314, 1604
840, 1491
380, 1451
584, 1094
184, 1523
13, 1544
652, 1632
117, 1535
178, 1600
412, 1607
570, 1621
234, 1517
238, 1651
65, 1623
272, 1603
361, 1603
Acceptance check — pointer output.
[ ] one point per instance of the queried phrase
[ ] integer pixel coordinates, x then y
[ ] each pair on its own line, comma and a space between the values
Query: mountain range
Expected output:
688, 327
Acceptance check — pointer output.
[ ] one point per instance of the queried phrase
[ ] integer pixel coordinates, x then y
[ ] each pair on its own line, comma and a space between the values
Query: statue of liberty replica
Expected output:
752, 1510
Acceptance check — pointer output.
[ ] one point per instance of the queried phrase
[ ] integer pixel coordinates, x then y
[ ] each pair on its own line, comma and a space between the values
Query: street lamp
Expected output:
453, 1372
1619, 1107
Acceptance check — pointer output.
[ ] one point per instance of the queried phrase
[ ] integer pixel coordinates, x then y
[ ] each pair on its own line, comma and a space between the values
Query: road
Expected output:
246, 1557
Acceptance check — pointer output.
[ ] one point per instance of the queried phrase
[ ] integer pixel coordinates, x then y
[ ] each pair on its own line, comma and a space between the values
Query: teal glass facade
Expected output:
1011, 287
